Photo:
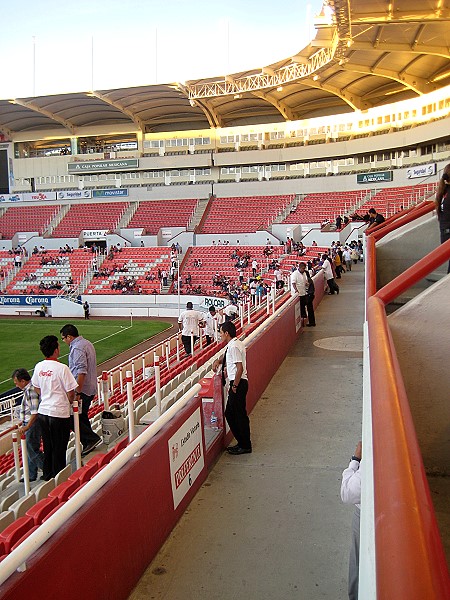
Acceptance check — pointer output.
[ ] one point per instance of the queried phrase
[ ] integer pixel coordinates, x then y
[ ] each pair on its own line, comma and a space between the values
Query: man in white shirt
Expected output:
296, 282
278, 279
234, 370
230, 311
329, 276
213, 321
347, 258
254, 267
56, 386
189, 323
351, 494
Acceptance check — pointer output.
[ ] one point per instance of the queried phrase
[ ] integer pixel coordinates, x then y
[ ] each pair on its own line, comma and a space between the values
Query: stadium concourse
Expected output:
271, 524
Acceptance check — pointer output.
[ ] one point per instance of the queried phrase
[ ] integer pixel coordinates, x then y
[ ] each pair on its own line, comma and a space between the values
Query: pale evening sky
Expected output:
46, 45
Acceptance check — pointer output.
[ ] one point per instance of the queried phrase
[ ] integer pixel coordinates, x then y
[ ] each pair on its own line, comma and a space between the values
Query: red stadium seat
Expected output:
13, 533
63, 490
41, 509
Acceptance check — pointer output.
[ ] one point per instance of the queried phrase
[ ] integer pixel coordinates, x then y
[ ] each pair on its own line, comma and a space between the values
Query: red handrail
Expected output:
410, 560
415, 273
400, 219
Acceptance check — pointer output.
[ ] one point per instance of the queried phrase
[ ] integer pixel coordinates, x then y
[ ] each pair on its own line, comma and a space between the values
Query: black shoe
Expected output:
239, 450
23, 480
42, 478
91, 447
233, 447
310, 325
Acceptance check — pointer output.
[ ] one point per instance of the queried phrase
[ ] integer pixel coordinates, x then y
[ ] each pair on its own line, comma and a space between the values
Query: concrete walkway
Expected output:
270, 525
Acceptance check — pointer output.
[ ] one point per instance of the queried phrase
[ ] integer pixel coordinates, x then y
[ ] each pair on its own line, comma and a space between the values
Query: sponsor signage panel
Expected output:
30, 301
421, 171
374, 177
10, 198
103, 165
110, 193
186, 456
211, 301
166, 234
74, 194
38, 196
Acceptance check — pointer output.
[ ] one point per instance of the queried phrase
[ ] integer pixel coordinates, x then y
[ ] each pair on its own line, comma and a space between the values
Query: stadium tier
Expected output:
217, 260
240, 215
391, 200
152, 215
26, 218
127, 271
90, 216
51, 272
315, 208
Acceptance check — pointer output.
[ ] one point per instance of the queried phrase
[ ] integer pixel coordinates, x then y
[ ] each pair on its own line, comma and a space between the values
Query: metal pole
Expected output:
178, 348
179, 287
26, 472
121, 379
131, 318
241, 311
111, 383
272, 292
105, 390
268, 303
192, 343
16, 455
201, 339
248, 314
133, 371
158, 384
143, 366
168, 355
76, 428
129, 381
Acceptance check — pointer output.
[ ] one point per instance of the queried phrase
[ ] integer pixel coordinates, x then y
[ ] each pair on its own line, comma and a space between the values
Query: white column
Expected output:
26, 472
158, 384
129, 380
105, 390
16, 455
76, 429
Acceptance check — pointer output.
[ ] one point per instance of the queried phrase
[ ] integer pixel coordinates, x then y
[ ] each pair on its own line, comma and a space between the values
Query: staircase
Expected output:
127, 215
287, 210
84, 283
198, 214
56, 220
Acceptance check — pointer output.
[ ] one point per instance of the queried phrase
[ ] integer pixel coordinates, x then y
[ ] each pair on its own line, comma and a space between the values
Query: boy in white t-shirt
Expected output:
56, 386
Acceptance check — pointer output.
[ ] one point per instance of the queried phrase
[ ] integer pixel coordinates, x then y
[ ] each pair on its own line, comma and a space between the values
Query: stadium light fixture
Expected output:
441, 76
237, 96
316, 77
280, 88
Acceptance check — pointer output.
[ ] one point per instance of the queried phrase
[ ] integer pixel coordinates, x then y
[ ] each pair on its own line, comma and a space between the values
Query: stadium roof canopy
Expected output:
366, 53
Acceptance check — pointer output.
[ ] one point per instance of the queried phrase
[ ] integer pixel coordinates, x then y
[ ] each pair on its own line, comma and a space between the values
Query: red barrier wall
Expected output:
107, 545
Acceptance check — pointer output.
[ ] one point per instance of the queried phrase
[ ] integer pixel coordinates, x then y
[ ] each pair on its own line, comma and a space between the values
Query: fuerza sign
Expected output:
102, 165
375, 177
25, 300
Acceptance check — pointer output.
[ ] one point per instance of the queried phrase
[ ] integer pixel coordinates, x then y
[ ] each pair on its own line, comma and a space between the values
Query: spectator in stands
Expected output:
56, 386
86, 309
213, 320
83, 365
230, 312
338, 222
329, 276
279, 283
254, 267
351, 494
29, 422
189, 322
164, 277
346, 220
314, 243
233, 365
443, 206
295, 281
375, 218
18, 260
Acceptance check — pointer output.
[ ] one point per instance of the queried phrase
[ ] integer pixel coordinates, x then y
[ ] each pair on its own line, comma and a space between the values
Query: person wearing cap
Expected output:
189, 323
213, 321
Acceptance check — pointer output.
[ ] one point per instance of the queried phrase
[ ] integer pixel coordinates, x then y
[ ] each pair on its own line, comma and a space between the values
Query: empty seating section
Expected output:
151, 215
129, 263
316, 208
217, 259
388, 201
99, 215
241, 215
35, 277
26, 218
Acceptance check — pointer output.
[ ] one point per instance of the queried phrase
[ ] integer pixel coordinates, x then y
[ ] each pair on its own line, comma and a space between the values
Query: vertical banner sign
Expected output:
186, 456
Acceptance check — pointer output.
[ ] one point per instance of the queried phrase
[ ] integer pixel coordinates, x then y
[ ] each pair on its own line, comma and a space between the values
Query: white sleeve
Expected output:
351, 484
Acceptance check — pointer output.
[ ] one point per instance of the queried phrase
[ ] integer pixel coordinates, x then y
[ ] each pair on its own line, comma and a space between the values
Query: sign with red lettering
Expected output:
186, 456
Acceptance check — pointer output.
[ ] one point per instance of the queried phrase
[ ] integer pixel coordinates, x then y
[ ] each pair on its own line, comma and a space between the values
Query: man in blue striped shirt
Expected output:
29, 423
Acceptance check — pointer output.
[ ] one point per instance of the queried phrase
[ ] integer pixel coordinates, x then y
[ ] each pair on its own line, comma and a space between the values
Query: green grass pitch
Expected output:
19, 340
